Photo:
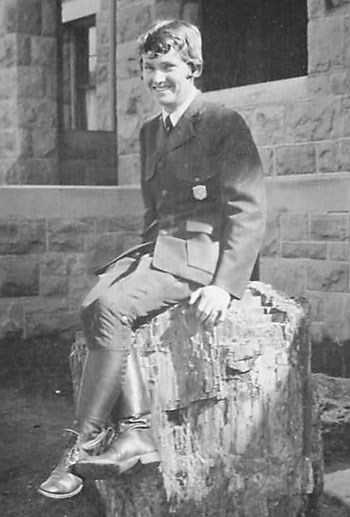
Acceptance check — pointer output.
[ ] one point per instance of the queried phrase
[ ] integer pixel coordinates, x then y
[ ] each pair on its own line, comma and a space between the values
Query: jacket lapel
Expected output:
154, 145
160, 144
185, 129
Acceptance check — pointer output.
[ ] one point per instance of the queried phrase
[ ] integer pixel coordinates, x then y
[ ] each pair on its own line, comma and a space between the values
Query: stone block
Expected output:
128, 60
23, 50
66, 236
29, 16
272, 239
103, 248
191, 12
76, 264
319, 84
269, 127
47, 316
30, 82
129, 169
299, 159
328, 156
35, 113
347, 40
105, 119
133, 20
103, 33
328, 276
316, 303
8, 143
8, 113
102, 73
22, 237
53, 285
130, 223
312, 250
347, 121
322, 55
338, 251
317, 119
165, 9
133, 99
11, 318
53, 264
8, 16
78, 281
19, 276
345, 155
294, 227
50, 83
5, 166
128, 130
8, 85
44, 141
267, 160
286, 275
333, 227
49, 18
316, 8
24, 143
8, 50
32, 171
339, 82
334, 304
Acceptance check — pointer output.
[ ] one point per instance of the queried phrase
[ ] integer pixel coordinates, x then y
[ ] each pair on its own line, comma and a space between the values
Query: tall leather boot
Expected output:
134, 442
100, 388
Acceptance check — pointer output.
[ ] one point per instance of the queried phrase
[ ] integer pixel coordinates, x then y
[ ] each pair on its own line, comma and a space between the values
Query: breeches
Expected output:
127, 295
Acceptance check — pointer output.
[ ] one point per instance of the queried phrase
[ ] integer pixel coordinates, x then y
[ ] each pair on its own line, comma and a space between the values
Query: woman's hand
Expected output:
210, 304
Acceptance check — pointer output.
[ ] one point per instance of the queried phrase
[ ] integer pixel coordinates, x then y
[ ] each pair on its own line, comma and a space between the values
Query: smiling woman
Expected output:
169, 79
169, 67
223, 205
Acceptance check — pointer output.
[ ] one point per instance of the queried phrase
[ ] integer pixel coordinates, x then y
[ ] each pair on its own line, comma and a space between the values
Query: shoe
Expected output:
62, 482
134, 445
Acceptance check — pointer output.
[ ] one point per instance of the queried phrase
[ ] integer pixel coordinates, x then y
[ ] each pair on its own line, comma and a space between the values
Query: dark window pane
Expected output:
253, 41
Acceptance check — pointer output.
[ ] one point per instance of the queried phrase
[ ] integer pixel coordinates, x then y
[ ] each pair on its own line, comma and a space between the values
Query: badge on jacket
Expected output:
199, 192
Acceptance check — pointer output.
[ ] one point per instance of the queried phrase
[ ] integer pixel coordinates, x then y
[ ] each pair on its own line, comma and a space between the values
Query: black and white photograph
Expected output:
175, 258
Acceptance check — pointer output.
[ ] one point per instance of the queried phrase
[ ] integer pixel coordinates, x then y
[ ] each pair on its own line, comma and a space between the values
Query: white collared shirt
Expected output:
180, 110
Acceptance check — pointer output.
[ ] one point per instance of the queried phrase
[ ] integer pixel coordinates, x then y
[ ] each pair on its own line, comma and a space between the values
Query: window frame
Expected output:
78, 84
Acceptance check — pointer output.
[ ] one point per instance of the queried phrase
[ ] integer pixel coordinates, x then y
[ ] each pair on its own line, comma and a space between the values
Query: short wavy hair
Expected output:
179, 35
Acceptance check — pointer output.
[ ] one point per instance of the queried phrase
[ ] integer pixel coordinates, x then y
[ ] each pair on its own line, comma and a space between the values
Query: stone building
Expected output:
71, 104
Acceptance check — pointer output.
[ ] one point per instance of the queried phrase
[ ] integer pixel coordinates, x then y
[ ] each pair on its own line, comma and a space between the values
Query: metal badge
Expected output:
200, 192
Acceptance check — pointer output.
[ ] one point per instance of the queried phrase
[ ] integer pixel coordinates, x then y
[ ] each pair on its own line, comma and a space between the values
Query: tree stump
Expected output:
233, 413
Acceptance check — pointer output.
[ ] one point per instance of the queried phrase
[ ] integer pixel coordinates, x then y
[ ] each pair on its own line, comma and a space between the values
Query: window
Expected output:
81, 37
253, 41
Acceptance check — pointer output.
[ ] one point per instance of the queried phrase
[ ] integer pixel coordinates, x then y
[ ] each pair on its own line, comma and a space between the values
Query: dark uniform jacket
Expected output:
202, 186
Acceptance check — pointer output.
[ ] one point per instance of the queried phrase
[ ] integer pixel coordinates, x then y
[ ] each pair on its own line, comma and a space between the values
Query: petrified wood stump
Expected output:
233, 413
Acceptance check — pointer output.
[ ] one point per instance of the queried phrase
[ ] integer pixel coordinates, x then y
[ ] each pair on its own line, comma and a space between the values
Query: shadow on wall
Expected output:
331, 358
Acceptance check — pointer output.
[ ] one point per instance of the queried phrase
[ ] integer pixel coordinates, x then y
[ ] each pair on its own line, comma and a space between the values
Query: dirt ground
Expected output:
36, 404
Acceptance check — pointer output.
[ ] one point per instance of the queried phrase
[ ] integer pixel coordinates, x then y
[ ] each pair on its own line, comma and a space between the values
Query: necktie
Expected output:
168, 124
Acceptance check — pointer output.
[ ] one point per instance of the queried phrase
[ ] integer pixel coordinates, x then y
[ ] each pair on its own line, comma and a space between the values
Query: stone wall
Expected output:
28, 92
306, 253
51, 241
